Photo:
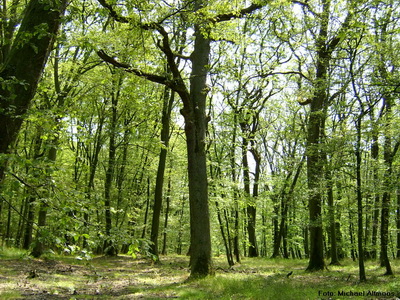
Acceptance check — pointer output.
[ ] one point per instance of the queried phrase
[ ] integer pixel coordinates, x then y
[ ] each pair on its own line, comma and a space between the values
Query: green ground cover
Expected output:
122, 277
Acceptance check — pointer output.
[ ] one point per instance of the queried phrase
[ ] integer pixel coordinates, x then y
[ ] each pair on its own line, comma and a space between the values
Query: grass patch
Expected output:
123, 277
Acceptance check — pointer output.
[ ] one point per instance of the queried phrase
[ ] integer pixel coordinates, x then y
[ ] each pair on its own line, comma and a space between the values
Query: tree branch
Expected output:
152, 77
117, 17
176, 84
264, 75
236, 15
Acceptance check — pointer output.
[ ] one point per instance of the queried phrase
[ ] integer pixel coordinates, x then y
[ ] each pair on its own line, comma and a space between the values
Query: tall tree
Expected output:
325, 45
194, 102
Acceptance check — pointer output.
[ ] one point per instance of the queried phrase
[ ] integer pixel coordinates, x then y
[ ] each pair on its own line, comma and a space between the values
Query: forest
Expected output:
217, 133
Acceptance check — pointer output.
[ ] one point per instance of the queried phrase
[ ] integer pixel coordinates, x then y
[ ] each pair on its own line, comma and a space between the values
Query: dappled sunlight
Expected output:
123, 277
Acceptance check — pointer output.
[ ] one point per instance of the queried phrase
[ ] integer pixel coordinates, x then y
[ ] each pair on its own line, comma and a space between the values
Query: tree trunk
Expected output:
235, 211
194, 113
228, 251
40, 243
398, 221
109, 247
388, 158
375, 214
251, 205
93, 159
360, 230
331, 216
315, 135
30, 201
168, 203
168, 100
23, 68
146, 213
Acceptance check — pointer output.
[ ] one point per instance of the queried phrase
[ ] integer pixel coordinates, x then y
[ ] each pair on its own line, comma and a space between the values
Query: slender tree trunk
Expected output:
109, 248
398, 221
232, 154
93, 159
40, 243
375, 214
360, 230
168, 99
228, 251
386, 202
251, 209
30, 209
351, 233
331, 216
167, 209
121, 176
180, 231
275, 226
146, 213
236, 242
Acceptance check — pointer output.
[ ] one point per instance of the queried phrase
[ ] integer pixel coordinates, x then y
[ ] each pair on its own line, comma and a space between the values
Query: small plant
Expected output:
141, 246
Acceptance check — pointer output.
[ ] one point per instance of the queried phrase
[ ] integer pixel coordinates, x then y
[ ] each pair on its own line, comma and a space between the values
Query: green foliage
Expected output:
141, 246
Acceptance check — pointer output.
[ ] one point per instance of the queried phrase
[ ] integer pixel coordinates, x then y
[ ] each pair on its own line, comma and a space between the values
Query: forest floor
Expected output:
123, 277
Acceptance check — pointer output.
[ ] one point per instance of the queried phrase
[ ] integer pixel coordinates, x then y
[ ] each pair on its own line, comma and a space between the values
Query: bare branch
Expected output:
264, 75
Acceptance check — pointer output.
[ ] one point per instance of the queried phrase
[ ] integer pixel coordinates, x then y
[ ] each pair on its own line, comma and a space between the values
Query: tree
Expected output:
325, 45
194, 112
22, 67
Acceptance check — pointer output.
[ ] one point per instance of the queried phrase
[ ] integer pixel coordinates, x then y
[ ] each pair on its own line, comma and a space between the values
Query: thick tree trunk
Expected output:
23, 67
314, 147
194, 113
314, 178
